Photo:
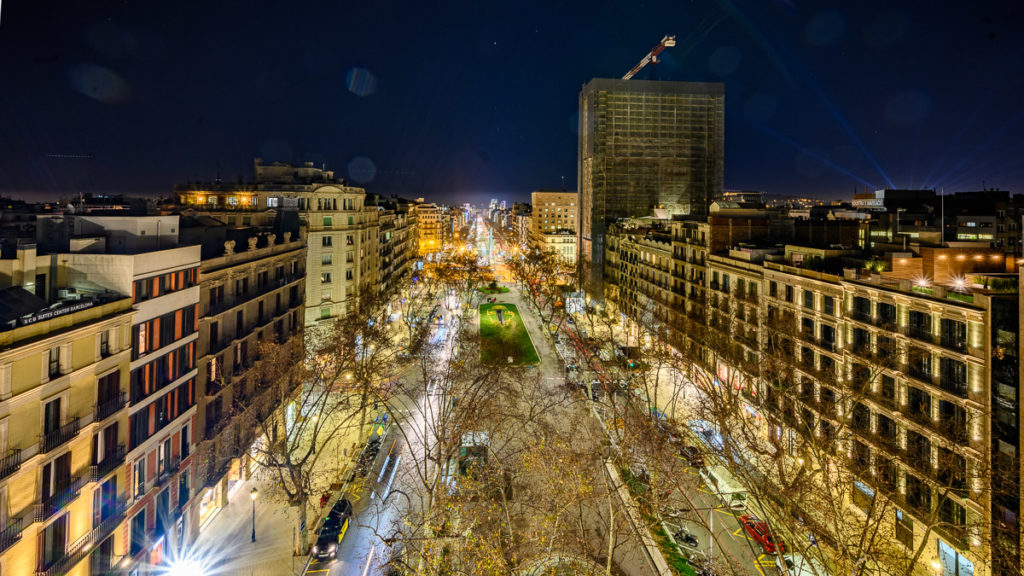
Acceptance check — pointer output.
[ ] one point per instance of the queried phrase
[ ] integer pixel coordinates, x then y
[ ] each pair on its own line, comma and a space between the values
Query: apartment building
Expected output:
638, 271
342, 229
247, 298
64, 375
397, 243
913, 382
430, 219
554, 222
141, 256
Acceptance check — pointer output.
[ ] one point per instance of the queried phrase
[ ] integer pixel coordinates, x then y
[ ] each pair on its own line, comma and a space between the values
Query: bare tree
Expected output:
313, 402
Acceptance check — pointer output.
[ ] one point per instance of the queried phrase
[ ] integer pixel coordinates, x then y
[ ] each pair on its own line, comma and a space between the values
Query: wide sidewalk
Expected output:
225, 546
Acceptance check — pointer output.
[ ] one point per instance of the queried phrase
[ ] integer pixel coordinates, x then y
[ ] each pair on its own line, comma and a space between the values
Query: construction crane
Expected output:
652, 56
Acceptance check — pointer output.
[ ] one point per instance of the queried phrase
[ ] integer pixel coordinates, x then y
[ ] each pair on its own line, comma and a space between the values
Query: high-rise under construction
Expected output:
646, 145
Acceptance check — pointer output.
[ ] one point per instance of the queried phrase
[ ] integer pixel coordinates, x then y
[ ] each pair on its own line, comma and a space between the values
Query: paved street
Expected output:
378, 505
375, 514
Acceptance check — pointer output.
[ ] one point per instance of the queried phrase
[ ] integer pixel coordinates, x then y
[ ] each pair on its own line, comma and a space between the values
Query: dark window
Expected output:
953, 375
184, 443
861, 309
886, 314
51, 416
104, 343
885, 347
828, 305
953, 334
53, 542
919, 494
108, 387
888, 389
861, 341
808, 299
861, 417
919, 364
919, 325
807, 327
952, 513
919, 404
54, 366
919, 448
138, 532
828, 337
142, 290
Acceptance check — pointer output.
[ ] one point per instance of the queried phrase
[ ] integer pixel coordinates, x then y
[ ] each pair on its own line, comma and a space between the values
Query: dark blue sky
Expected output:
453, 99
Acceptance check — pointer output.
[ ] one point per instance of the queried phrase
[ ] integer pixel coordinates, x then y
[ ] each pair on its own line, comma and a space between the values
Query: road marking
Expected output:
369, 561
315, 571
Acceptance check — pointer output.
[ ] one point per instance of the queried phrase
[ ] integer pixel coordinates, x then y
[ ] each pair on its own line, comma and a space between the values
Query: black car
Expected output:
368, 456
333, 530
692, 455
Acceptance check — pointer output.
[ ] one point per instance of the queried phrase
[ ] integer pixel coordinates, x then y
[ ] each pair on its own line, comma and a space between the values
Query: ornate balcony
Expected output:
11, 463
60, 436
109, 407
56, 502
108, 464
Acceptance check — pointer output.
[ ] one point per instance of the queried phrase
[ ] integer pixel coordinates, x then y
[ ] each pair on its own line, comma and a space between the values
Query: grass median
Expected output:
503, 335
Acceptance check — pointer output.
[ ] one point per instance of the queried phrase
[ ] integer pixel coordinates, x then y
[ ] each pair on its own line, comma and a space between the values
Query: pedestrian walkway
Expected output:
225, 546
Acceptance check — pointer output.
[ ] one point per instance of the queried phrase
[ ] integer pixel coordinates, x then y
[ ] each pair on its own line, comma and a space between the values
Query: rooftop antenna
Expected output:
563, 182
942, 228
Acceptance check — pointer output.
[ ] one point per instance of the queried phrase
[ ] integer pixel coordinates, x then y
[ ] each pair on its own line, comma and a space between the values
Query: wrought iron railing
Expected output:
58, 437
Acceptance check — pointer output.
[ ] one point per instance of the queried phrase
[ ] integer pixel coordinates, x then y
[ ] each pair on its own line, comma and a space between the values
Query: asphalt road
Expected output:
377, 505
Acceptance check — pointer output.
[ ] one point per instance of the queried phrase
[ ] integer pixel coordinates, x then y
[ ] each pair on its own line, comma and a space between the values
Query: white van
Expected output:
797, 565
721, 482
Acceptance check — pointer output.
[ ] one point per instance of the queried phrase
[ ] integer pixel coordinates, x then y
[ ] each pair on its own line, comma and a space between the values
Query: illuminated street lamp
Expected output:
253, 495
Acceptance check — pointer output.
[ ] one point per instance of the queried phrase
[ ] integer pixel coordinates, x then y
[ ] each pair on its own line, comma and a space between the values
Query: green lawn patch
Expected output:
496, 290
499, 342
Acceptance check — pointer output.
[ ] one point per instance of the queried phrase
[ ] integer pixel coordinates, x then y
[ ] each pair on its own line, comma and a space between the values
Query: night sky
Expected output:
460, 101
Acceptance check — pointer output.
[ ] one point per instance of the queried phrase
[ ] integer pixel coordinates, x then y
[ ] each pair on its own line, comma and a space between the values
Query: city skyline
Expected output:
134, 99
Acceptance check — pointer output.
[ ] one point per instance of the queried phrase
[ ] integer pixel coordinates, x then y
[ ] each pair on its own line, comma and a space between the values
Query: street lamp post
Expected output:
253, 495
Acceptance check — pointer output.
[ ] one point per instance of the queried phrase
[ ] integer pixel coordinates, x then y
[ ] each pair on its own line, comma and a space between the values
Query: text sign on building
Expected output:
54, 312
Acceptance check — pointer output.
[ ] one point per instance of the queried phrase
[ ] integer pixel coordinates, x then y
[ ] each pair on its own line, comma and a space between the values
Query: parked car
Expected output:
758, 530
332, 531
797, 565
693, 456
367, 457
